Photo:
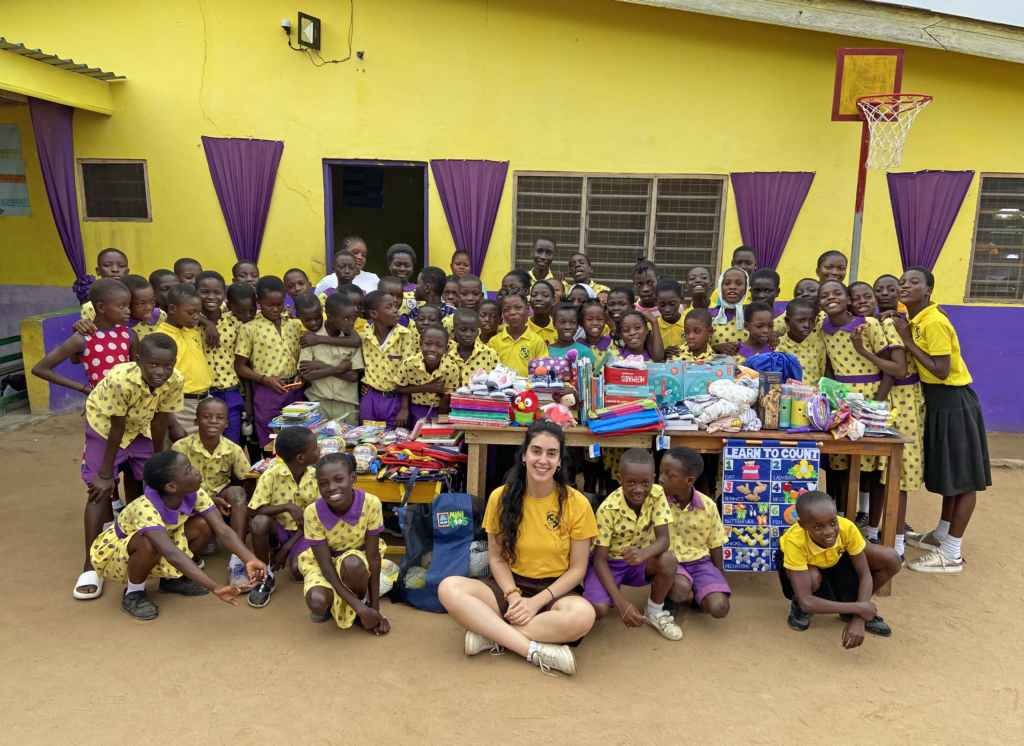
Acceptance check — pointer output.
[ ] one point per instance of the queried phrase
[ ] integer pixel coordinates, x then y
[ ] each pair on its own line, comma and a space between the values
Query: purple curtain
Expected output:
470, 193
768, 205
924, 206
54, 141
243, 173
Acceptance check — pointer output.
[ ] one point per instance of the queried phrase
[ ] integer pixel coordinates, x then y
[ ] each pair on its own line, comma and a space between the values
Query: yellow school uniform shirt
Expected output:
332, 388
124, 393
410, 302
217, 468
482, 356
221, 359
359, 325
810, 353
674, 334
143, 329
619, 526
517, 353
551, 279
88, 311
270, 352
696, 357
934, 334
799, 550
546, 333
382, 362
597, 287
696, 529
413, 372
277, 487
543, 546
724, 333
779, 325
191, 361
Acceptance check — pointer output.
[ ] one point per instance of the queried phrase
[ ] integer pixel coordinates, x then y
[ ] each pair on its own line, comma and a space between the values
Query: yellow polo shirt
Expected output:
673, 335
517, 353
696, 529
799, 550
123, 392
277, 487
191, 361
270, 352
547, 333
482, 356
934, 333
414, 373
217, 468
382, 362
619, 526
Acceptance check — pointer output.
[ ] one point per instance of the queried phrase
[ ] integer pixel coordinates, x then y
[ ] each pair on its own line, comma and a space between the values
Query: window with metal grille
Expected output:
674, 220
114, 190
997, 267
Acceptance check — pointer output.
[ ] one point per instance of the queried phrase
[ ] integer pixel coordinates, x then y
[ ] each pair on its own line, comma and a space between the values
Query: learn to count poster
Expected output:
760, 485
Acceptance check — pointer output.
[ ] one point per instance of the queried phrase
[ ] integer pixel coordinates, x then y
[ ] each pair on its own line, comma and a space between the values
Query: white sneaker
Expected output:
936, 561
476, 643
559, 657
922, 541
665, 624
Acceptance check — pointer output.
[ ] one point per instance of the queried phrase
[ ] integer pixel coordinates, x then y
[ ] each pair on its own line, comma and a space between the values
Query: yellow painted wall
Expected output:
582, 85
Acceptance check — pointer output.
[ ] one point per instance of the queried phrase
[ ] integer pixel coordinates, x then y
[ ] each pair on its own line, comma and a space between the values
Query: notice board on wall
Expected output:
13, 186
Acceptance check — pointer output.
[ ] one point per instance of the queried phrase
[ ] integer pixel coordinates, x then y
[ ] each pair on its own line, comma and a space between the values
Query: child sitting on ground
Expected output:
385, 345
632, 548
697, 333
428, 379
802, 340
332, 371
669, 295
826, 567
275, 511
697, 536
341, 567
469, 353
223, 466
159, 534
758, 321
111, 264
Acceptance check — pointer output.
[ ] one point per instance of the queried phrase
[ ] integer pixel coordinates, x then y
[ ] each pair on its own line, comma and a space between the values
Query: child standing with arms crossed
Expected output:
385, 345
225, 384
267, 353
331, 370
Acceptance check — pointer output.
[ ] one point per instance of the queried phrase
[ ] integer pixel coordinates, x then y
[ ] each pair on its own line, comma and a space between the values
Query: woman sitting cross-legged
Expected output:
539, 531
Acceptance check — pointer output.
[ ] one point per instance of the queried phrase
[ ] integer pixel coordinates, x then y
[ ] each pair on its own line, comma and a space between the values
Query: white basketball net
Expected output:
889, 117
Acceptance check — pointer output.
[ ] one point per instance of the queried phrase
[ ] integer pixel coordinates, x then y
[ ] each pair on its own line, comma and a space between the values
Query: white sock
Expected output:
531, 651
899, 544
107, 525
942, 531
873, 532
270, 573
133, 587
951, 547
653, 608
864, 502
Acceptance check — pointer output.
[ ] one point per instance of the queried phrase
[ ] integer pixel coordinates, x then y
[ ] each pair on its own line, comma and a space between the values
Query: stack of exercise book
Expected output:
479, 409
303, 413
624, 419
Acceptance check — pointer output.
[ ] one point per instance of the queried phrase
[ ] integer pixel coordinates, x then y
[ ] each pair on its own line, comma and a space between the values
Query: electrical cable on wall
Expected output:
351, 33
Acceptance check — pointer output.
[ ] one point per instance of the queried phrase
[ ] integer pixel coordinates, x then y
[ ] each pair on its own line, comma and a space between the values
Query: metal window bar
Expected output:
997, 270
547, 205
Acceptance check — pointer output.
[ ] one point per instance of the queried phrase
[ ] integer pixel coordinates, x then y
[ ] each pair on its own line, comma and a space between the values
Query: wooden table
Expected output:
478, 437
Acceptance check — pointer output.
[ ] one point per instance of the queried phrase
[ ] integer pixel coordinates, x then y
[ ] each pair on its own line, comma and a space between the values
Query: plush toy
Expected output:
524, 408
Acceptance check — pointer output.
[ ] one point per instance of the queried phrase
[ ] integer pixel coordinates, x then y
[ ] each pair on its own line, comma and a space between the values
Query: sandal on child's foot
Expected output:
88, 579
138, 606
182, 586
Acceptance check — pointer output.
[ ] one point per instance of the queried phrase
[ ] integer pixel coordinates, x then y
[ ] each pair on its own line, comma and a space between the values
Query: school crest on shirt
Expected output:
553, 521
524, 354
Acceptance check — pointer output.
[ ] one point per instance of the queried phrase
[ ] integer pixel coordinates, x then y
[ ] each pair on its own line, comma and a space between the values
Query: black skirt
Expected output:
955, 446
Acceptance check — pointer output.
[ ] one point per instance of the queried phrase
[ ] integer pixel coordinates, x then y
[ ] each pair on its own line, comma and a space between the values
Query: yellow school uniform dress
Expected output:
619, 526
109, 552
690, 356
542, 550
547, 333
382, 362
345, 535
725, 333
221, 359
191, 361
799, 551
674, 334
744, 353
779, 325
337, 397
601, 350
850, 368
517, 353
124, 393
907, 401
696, 529
413, 372
271, 352
810, 353
482, 356
143, 329
277, 487
227, 460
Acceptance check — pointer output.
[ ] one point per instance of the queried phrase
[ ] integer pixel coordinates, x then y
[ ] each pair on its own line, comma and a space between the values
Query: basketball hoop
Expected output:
888, 117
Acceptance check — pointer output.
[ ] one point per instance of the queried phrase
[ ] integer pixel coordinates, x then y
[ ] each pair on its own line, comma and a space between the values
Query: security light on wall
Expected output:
309, 31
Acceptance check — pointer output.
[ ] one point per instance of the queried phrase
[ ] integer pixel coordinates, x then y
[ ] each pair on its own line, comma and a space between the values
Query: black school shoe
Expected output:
138, 606
182, 586
876, 626
260, 595
799, 619
671, 607
319, 618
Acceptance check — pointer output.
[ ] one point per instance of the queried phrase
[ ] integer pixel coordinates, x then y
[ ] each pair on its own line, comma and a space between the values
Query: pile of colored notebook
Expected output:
623, 419
303, 413
479, 409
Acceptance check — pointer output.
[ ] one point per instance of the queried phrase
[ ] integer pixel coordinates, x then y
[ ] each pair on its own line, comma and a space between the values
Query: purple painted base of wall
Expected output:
18, 302
56, 329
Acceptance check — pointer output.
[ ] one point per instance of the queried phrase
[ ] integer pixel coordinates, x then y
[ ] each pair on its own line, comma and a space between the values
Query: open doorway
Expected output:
383, 202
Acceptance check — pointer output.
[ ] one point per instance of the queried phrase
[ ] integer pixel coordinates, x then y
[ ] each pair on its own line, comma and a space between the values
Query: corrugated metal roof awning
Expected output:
55, 61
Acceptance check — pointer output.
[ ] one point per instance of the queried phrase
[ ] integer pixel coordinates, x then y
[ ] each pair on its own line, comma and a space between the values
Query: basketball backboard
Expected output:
864, 72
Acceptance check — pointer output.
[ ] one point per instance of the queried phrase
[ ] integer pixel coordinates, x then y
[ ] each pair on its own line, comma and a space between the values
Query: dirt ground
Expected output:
205, 672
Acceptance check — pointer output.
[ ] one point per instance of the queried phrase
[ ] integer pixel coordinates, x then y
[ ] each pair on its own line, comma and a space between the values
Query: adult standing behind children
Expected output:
367, 281
538, 531
183, 307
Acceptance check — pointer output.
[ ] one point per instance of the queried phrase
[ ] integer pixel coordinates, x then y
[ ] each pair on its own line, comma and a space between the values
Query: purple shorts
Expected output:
236, 403
266, 405
704, 578
419, 412
376, 407
135, 455
633, 576
283, 535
